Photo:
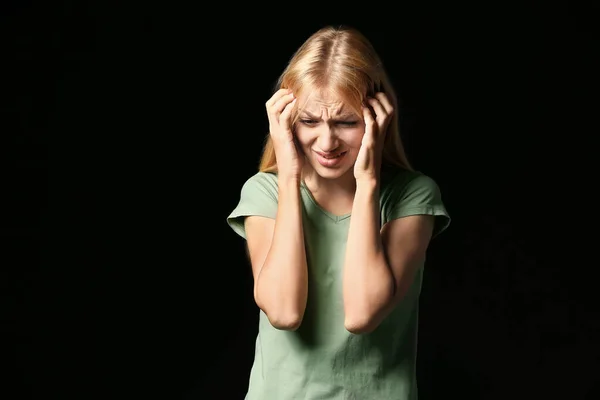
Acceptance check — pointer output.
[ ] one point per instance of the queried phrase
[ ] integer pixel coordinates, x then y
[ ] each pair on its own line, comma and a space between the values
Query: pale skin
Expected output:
380, 261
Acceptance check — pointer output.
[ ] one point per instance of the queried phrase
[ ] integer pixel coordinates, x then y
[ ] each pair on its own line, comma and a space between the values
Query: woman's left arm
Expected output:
380, 264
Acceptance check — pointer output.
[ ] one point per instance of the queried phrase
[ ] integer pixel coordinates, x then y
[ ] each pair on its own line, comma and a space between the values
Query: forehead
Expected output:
317, 102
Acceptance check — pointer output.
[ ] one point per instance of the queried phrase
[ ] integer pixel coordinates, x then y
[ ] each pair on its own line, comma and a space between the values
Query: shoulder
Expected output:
405, 193
258, 197
396, 181
261, 183
262, 178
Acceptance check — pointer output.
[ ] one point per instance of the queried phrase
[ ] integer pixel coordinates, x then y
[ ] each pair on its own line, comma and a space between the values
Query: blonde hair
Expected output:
340, 60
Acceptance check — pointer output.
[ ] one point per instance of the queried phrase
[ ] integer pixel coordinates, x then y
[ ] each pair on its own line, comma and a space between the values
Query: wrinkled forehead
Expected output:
317, 102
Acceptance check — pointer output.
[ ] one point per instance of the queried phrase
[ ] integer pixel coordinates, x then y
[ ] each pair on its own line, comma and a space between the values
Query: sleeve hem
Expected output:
442, 218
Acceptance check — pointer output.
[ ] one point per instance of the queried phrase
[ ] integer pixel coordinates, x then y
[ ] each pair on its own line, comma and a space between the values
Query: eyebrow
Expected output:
339, 117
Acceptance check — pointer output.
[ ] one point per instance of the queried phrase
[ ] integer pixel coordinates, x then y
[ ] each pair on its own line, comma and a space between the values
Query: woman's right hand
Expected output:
289, 159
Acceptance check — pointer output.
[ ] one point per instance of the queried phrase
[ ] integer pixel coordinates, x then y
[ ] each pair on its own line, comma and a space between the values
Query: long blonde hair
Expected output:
343, 61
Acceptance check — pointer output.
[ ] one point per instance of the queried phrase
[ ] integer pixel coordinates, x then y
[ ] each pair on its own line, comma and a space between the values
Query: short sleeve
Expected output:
258, 196
419, 195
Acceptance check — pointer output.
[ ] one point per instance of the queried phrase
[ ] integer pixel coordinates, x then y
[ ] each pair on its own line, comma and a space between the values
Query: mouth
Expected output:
330, 160
330, 156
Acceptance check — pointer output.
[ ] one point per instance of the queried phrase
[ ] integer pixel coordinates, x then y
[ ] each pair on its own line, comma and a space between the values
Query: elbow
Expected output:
279, 319
282, 320
365, 316
289, 322
360, 326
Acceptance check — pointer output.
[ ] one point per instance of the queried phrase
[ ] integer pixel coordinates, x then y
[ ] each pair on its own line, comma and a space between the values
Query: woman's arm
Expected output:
278, 258
380, 263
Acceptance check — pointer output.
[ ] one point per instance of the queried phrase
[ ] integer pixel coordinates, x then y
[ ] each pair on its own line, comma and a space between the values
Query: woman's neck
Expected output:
335, 195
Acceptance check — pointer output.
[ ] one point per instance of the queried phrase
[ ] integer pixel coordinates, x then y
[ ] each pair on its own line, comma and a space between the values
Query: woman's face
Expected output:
329, 134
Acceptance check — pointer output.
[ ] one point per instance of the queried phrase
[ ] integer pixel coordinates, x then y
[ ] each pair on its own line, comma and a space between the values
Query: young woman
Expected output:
337, 225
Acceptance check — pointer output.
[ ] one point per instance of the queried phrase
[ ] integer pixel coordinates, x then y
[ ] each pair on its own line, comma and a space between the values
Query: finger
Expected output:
285, 117
274, 109
276, 96
282, 103
385, 102
381, 113
368, 116
370, 126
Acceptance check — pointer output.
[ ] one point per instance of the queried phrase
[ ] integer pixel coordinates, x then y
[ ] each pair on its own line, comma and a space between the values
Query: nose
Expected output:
327, 140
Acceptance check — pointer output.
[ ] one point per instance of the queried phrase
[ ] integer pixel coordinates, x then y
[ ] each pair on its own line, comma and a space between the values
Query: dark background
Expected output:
129, 128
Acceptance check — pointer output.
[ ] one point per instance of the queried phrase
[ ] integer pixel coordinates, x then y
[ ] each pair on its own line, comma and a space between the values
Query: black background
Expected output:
129, 128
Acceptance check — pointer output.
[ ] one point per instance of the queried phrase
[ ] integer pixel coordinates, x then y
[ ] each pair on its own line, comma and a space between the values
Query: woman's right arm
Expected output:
277, 254
276, 247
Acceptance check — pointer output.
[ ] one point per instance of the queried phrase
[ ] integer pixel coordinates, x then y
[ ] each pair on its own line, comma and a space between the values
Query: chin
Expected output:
331, 173
328, 174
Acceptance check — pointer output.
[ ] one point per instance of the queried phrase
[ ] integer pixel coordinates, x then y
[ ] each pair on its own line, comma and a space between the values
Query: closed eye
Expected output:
312, 122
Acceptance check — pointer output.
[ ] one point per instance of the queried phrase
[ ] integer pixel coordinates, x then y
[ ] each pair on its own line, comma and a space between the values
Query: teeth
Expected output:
336, 156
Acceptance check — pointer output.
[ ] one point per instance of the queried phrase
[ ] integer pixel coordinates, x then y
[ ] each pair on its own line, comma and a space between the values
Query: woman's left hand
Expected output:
368, 162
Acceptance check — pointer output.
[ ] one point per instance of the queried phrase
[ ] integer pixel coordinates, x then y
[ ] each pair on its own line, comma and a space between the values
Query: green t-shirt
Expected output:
321, 359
